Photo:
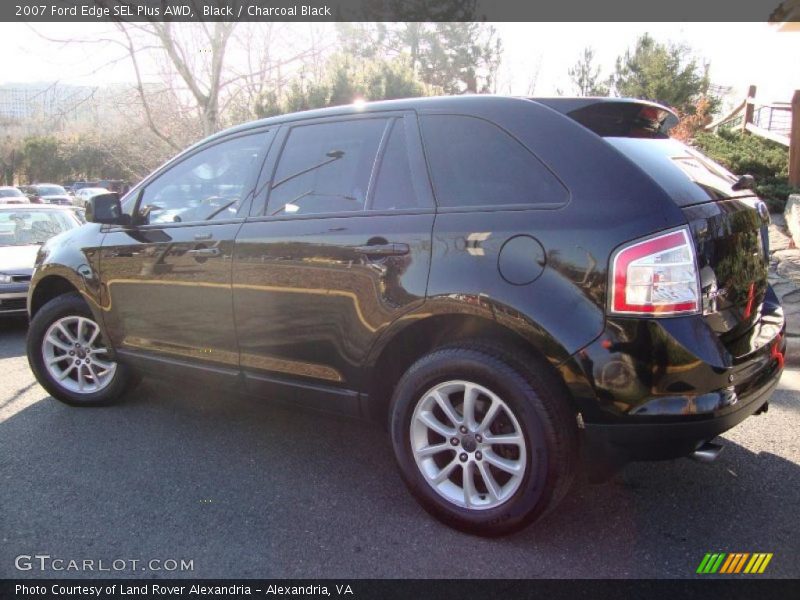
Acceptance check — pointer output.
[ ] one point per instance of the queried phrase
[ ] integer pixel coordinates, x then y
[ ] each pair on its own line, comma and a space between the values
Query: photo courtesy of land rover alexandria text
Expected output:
519, 289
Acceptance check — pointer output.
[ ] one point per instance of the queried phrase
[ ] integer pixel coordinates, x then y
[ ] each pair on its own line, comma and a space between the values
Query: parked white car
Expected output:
82, 195
23, 229
12, 195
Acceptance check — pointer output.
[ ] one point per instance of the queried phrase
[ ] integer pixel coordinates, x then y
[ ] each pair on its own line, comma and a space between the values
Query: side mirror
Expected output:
106, 209
745, 182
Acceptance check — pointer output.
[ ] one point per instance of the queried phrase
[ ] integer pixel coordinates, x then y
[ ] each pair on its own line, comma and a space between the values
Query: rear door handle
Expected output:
204, 252
391, 249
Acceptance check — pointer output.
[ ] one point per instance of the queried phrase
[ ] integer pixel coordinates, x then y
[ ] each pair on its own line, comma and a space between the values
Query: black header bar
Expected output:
399, 10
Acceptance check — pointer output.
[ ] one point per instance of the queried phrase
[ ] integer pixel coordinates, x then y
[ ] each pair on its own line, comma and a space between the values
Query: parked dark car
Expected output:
507, 283
23, 229
46, 193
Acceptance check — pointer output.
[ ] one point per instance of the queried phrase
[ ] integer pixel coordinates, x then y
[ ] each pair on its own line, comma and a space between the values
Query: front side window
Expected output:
326, 167
211, 184
476, 163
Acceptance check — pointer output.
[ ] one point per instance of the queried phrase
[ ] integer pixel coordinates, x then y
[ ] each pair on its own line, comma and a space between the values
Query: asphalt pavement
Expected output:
243, 488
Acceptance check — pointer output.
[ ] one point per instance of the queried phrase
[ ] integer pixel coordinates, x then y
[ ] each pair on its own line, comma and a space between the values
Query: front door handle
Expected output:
204, 252
390, 249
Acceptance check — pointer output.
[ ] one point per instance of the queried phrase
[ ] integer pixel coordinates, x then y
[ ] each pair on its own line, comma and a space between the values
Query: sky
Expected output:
537, 54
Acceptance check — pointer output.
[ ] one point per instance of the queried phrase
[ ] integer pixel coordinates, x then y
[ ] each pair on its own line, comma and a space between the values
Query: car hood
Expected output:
18, 258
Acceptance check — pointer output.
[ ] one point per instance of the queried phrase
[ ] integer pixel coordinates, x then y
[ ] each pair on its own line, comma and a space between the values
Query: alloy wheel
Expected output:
468, 445
75, 356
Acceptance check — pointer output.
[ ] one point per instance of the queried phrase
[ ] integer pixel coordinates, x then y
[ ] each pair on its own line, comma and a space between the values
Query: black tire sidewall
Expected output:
58, 308
531, 498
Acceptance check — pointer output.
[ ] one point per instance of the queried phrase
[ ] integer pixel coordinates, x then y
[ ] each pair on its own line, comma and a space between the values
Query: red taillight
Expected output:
656, 276
37, 200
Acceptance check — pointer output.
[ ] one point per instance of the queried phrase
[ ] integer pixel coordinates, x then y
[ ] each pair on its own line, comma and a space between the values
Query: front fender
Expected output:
72, 256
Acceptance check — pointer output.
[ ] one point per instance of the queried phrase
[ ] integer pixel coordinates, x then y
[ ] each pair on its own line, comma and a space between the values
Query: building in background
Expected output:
52, 103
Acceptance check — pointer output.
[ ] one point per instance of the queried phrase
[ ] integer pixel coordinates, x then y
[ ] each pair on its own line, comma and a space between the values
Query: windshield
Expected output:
24, 227
10, 193
50, 190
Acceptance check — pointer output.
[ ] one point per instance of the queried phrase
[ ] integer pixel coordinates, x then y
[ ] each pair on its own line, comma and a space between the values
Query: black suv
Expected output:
507, 282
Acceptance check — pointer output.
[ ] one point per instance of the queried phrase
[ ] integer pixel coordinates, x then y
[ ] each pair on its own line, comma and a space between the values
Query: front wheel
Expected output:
485, 442
68, 355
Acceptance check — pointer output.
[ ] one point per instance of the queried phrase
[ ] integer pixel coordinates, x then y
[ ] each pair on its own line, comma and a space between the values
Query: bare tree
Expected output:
193, 79
198, 60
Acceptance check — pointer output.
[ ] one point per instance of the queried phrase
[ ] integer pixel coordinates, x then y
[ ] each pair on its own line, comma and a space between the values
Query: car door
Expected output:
338, 250
167, 280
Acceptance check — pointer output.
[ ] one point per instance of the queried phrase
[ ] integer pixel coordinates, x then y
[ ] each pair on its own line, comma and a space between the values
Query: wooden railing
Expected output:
779, 122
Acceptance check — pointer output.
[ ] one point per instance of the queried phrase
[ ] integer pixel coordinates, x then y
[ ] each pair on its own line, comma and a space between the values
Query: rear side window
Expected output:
687, 175
326, 167
394, 185
475, 163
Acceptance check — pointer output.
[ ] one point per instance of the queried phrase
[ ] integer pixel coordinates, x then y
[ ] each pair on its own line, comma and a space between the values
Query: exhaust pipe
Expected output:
707, 452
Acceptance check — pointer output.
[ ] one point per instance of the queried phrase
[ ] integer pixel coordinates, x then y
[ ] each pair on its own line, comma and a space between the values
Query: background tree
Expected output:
665, 73
585, 76
450, 58
192, 79
42, 160
207, 78
10, 157
345, 80
459, 57
694, 121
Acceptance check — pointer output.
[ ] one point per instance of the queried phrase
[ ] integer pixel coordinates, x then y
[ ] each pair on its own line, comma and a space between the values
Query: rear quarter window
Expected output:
475, 163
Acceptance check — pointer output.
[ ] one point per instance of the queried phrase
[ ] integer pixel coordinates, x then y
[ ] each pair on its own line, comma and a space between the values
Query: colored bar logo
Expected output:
737, 562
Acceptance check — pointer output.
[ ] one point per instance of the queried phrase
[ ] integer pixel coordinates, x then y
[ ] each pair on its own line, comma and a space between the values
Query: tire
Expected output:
51, 335
533, 413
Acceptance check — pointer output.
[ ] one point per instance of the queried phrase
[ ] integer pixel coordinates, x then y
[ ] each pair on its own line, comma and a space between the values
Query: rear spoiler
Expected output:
616, 117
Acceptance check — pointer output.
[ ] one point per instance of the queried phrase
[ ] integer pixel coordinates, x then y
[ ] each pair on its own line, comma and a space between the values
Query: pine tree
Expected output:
664, 73
585, 76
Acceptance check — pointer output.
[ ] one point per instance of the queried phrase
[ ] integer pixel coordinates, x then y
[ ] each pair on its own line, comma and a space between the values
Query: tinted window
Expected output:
10, 193
475, 163
394, 187
211, 184
688, 176
326, 167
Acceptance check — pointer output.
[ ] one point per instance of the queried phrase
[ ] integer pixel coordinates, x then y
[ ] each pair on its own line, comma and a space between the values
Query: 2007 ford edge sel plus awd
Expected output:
514, 286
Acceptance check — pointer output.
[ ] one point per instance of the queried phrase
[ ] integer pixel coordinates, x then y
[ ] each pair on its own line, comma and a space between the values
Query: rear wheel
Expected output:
68, 355
485, 442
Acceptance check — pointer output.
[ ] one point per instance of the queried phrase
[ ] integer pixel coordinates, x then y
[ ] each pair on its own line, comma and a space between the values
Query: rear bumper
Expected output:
666, 440
651, 389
